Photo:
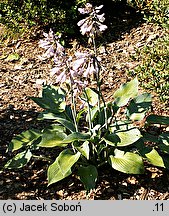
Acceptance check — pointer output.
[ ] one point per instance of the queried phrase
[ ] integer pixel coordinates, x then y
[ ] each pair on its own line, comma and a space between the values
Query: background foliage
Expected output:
153, 10
154, 58
16, 13
64, 13
153, 70
62, 16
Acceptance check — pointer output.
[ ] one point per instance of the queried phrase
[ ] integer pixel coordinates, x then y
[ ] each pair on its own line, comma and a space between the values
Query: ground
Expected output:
22, 78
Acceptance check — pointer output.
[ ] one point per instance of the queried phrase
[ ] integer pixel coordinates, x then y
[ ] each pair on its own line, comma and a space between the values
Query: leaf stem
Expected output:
101, 164
42, 158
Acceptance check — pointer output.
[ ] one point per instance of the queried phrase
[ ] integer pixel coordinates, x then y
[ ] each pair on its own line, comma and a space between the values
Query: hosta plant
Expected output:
88, 130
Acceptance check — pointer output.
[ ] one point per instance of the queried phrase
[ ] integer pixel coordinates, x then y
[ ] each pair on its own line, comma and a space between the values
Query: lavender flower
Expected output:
51, 45
56, 50
61, 68
92, 24
88, 9
78, 86
84, 64
76, 72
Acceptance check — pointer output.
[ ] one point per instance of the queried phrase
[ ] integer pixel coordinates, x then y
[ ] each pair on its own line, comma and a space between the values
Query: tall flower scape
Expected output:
96, 134
78, 71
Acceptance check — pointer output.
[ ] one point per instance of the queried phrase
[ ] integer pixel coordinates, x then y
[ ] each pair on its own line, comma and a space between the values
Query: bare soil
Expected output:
22, 78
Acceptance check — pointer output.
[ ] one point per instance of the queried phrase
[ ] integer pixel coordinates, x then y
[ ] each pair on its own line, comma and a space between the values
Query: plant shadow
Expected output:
30, 182
120, 18
116, 185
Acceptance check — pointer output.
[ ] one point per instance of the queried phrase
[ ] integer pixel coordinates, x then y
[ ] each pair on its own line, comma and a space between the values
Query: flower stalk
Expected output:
89, 112
77, 71
73, 105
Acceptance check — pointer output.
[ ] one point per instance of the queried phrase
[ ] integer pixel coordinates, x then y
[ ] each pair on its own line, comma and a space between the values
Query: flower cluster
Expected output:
51, 45
82, 69
54, 49
84, 64
75, 70
92, 25
60, 69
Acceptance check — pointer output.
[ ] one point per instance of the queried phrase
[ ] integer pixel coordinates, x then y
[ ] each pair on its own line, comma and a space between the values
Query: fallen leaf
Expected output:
13, 57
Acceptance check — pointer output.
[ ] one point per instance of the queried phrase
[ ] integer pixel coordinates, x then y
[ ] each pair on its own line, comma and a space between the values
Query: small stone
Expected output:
154, 175
102, 50
167, 129
124, 183
131, 180
110, 190
119, 197
60, 193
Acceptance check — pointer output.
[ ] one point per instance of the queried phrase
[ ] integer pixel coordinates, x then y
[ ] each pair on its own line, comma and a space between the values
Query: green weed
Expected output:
153, 10
153, 70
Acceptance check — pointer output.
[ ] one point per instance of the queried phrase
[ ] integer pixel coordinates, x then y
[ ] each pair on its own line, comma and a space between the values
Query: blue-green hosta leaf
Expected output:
80, 115
113, 107
66, 123
142, 148
20, 160
126, 92
68, 112
147, 137
121, 126
55, 127
52, 138
55, 174
164, 138
53, 99
92, 96
93, 113
61, 168
24, 139
88, 176
123, 138
139, 106
101, 116
84, 149
127, 162
76, 136
50, 116
164, 142
156, 119
67, 159
155, 159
